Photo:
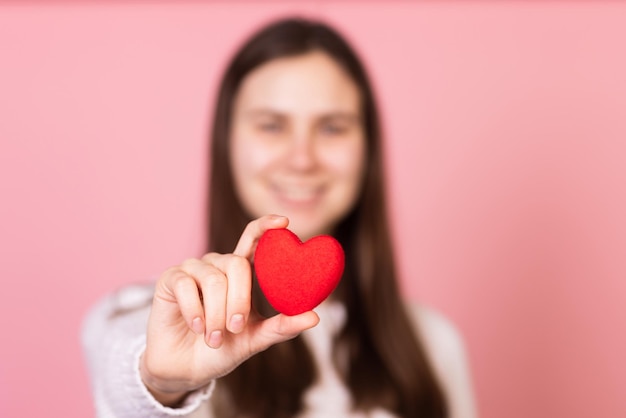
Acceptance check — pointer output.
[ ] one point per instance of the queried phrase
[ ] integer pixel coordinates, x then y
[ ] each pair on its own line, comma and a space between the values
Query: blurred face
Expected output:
297, 142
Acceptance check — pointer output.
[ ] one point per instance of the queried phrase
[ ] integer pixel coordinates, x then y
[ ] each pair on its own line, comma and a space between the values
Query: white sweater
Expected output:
114, 335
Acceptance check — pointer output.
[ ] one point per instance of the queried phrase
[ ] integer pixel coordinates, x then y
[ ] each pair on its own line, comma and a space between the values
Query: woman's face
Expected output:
297, 142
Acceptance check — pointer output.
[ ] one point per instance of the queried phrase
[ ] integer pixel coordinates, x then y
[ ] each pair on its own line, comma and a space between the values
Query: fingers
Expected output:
214, 288
224, 282
185, 291
250, 236
214, 293
239, 281
281, 328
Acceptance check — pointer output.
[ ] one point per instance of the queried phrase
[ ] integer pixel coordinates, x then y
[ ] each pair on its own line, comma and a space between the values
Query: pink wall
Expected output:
507, 139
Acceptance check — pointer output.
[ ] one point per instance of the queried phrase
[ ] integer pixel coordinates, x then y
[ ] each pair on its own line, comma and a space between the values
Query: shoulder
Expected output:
446, 351
439, 334
126, 299
124, 309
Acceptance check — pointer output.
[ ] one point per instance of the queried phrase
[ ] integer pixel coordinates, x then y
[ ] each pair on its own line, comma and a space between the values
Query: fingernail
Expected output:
197, 326
236, 323
215, 339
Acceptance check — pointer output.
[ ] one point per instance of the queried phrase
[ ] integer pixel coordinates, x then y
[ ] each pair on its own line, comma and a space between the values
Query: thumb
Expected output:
281, 328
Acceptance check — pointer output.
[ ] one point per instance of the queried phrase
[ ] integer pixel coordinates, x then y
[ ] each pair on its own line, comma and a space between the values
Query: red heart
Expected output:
294, 276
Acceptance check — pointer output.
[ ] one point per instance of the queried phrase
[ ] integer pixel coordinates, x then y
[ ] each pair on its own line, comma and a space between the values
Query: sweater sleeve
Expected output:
114, 338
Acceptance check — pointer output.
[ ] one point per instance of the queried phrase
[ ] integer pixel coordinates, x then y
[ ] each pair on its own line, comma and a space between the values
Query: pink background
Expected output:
506, 126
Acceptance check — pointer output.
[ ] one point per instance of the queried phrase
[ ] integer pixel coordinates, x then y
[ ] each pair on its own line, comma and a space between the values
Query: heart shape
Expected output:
294, 276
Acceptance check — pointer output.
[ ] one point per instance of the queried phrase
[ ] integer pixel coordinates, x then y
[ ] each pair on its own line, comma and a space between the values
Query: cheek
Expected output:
348, 162
248, 158
243, 170
248, 162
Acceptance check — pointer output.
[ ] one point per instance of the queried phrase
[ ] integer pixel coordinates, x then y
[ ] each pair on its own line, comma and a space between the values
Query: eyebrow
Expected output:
347, 116
264, 112
336, 114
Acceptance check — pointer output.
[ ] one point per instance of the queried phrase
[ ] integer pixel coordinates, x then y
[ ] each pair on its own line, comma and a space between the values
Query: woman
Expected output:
296, 133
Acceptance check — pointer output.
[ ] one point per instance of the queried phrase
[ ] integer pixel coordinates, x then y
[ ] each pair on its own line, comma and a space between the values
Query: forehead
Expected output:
308, 83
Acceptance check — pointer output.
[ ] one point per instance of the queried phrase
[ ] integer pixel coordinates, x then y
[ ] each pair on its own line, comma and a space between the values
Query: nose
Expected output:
302, 154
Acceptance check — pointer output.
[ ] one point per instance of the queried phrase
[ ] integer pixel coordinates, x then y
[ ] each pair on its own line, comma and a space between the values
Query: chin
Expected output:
305, 230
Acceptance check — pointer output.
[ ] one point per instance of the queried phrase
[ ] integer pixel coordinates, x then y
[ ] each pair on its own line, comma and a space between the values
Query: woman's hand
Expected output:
202, 325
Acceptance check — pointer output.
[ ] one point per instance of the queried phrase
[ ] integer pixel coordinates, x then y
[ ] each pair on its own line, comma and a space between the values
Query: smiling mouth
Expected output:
298, 195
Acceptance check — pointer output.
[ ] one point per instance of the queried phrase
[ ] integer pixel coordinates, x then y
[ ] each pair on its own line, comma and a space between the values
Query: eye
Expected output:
271, 126
333, 128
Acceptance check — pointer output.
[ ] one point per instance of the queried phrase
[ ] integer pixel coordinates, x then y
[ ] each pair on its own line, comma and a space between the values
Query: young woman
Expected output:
296, 143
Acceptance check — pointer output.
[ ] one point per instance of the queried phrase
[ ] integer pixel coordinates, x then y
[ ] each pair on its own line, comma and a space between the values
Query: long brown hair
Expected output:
387, 364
